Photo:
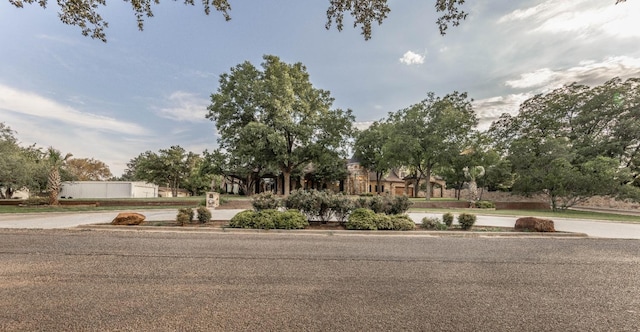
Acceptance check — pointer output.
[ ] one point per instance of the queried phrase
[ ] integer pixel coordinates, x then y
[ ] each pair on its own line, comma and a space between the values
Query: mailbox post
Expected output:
213, 200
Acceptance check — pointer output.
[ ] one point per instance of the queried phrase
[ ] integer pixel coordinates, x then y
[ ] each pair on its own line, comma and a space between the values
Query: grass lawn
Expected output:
571, 214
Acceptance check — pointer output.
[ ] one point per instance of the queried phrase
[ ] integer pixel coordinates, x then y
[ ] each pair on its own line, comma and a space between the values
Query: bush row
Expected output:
269, 219
466, 221
325, 205
366, 219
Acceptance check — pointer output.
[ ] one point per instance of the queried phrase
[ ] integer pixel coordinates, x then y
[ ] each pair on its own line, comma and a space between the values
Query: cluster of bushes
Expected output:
187, 215
269, 219
466, 221
324, 205
367, 219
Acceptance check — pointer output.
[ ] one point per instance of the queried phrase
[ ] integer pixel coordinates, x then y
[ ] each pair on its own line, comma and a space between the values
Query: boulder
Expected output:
534, 224
128, 218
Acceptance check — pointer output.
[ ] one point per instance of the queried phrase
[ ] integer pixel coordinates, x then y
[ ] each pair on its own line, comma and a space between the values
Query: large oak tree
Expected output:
275, 116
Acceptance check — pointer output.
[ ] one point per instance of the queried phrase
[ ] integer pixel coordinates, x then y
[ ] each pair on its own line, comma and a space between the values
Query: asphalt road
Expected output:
89, 280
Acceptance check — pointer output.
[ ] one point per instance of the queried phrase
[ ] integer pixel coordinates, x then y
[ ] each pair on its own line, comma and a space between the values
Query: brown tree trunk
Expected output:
287, 183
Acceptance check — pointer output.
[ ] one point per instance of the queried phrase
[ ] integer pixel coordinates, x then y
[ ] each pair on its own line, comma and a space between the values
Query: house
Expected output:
396, 182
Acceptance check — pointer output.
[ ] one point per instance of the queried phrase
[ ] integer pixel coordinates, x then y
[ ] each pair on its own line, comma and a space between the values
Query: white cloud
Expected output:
587, 72
582, 18
490, 109
411, 58
185, 106
362, 125
27, 103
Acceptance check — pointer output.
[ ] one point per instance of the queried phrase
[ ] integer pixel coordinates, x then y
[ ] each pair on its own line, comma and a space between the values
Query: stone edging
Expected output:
416, 233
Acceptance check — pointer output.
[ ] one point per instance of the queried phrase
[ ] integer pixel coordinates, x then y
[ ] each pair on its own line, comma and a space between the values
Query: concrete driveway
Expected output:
601, 229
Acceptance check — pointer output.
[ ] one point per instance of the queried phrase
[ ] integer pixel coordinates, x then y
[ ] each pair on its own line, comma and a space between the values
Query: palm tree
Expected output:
53, 181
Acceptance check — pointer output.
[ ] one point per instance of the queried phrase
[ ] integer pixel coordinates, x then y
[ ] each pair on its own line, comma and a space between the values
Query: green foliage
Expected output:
185, 216
466, 220
447, 219
362, 219
173, 166
319, 205
369, 149
269, 219
402, 222
88, 18
379, 204
383, 222
204, 215
430, 222
484, 205
434, 223
399, 204
386, 204
366, 195
429, 134
265, 201
274, 117
342, 206
244, 219
291, 219
366, 219
574, 142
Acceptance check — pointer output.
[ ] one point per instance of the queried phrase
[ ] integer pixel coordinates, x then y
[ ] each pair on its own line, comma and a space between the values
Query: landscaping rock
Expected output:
128, 218
534, 224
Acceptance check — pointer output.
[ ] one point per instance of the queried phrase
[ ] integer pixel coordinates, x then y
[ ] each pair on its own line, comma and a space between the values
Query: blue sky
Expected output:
149, 90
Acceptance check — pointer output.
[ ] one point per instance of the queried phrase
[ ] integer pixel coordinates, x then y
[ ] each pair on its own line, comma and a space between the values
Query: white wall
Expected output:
107, 189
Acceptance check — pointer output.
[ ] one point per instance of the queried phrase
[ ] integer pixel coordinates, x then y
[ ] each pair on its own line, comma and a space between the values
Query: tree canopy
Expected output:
430, 133
86, 13
575, 142
173, 167
274, 117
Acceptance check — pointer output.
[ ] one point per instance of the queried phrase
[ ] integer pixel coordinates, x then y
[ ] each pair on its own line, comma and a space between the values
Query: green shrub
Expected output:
265, 201
266, 219
184, 216
269, 219
447, 219
291, 219
366, 195
485, 205
399, 204
379, 204
466, 220
361, 203
204, 215
402, 222
383, 222
315, 204
31, 201
244, 219
342, 206
429, 222
362, 219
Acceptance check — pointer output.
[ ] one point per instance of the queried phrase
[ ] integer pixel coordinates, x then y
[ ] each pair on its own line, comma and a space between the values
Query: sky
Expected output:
149, 90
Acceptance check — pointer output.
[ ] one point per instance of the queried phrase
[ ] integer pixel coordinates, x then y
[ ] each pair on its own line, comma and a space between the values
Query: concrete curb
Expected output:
416, 233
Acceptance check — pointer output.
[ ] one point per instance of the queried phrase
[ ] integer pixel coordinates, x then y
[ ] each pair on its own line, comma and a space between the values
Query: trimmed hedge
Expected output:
269, 219
366, 219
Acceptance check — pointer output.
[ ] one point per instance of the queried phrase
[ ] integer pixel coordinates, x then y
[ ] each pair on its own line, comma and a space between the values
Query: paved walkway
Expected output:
602, 229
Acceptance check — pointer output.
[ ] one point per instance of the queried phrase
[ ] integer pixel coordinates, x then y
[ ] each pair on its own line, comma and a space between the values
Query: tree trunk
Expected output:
428, 176
287, 183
